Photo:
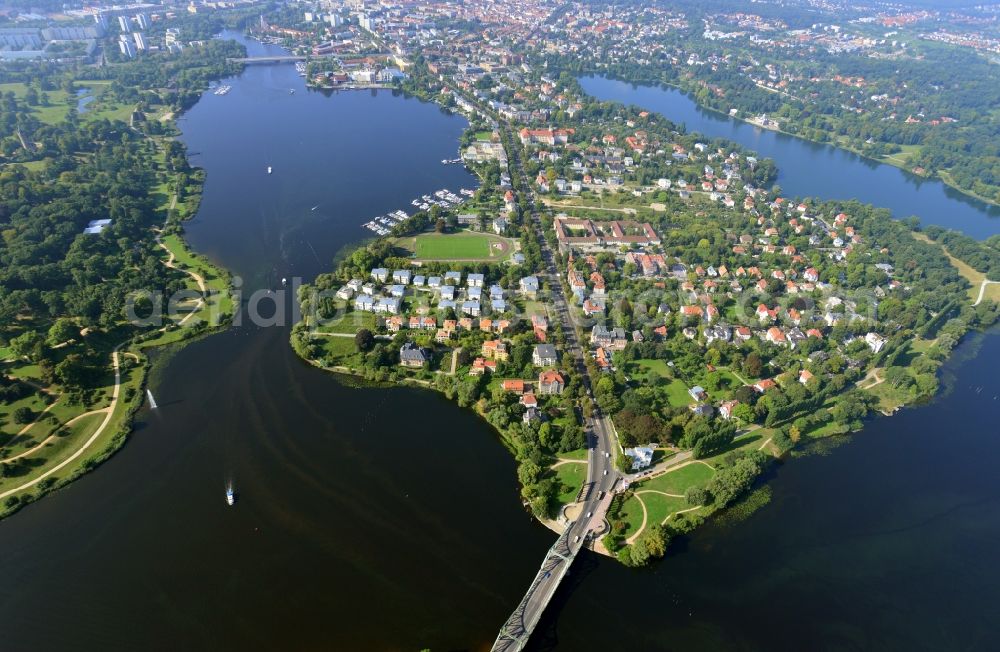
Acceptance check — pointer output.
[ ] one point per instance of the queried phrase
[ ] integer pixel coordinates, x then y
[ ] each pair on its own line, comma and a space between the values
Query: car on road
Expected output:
605, 471
589, 514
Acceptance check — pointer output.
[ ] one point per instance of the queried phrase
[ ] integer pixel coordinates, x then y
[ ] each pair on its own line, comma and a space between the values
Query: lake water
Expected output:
389, 519
808, 169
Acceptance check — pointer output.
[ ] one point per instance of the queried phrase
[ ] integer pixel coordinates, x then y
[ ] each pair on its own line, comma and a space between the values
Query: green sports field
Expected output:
464, 245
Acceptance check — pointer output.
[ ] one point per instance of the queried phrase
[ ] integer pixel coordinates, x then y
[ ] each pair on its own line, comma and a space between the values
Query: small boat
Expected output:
291, 91
314, 207
269, 169
284, 281
230, 495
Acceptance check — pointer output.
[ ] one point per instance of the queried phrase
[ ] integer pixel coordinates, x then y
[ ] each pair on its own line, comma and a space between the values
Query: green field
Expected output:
464, 245
571, 477
351, 322
659, 507
631, 513
679, 480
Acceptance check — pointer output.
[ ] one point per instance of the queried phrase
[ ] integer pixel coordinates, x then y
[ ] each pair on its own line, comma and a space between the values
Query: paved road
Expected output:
601, 444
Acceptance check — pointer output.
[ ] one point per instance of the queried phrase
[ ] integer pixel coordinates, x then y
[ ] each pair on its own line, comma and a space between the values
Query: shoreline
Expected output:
942, 177
698, 514
129, 394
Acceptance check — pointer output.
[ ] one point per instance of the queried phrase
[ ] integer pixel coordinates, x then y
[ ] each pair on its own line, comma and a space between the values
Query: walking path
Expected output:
109, 412
564, 461
982, 291
198, 279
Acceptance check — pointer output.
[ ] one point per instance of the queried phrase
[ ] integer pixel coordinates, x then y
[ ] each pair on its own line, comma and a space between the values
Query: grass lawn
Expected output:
464, 245
659, 507
219, 304
339, 351
58, 104
827, 429
677, 394
631, 513
679, 480
889, 397
571, 477
33, 402
578, 454
652, 366
67, 444
351, 322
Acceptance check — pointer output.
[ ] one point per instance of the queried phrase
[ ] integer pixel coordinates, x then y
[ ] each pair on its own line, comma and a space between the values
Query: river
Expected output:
808, 169
389, 519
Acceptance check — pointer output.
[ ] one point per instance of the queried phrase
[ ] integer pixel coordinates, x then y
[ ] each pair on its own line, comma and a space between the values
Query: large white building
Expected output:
140, 41
126, 46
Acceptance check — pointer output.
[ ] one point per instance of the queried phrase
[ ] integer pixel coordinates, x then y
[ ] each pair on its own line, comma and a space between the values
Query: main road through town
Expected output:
601, 446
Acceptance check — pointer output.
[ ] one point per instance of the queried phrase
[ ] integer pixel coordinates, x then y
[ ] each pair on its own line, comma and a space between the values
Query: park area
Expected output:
460, 246
658, 499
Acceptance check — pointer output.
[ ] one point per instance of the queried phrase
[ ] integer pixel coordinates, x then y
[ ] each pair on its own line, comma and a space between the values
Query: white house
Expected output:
642, 456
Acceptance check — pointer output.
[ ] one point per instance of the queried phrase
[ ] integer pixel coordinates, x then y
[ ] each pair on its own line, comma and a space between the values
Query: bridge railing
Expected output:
516, 631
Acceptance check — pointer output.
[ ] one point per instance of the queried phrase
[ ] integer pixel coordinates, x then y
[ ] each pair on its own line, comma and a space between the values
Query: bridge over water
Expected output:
515, 632
279, 58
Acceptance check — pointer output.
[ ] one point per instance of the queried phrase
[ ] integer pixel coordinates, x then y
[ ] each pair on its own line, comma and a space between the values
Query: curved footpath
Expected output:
982, 291
110, 410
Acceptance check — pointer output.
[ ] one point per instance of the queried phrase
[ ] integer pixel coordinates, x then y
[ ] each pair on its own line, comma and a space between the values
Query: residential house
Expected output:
514, 385
726, 409
550, 382
529, 286
642, 457
544, 355
411, 355
495, 350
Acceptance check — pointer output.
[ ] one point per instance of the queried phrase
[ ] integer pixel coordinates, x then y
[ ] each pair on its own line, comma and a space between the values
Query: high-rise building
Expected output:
140, 41
125, 46
308, 17
101, 20
123, 23
173, 35
335, 20
143, 21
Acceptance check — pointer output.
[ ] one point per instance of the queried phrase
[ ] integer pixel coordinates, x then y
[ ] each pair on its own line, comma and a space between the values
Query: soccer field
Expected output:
460, 246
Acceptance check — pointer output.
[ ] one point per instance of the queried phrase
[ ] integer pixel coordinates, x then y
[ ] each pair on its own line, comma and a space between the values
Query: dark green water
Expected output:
389, 519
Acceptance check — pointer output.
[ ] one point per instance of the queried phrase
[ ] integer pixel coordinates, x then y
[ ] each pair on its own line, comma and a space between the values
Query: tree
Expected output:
364, 340
74, 372
753, 366
23, 415
62, 330
27, 345
744, 413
